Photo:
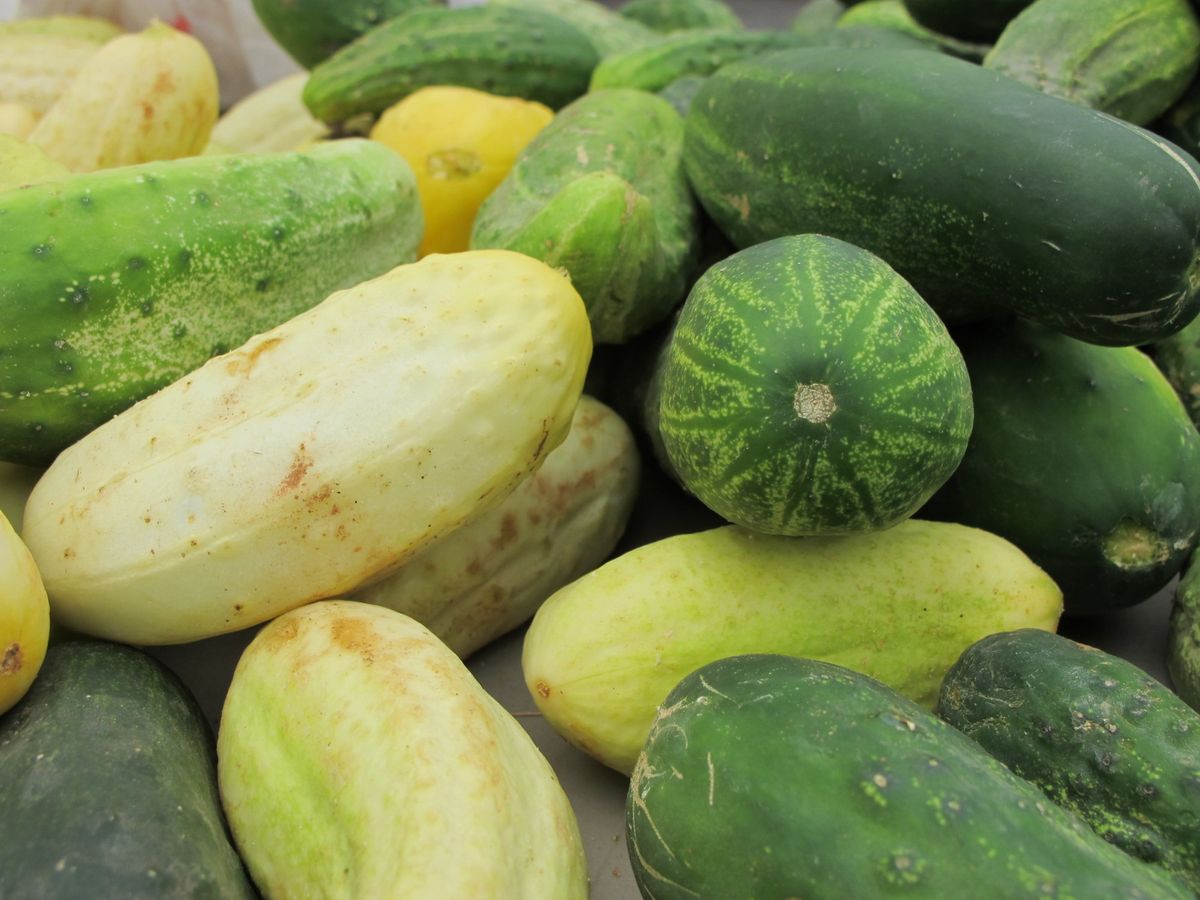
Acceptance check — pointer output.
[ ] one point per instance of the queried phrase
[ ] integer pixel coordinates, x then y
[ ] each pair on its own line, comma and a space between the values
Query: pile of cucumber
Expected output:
892, 308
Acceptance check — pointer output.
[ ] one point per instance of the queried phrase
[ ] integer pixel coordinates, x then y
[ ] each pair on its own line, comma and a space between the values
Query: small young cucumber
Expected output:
1097, 734
115, 283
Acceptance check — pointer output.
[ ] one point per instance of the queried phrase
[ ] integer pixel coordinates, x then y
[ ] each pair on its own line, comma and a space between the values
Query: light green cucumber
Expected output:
609, 32
601, 192
115, 283
678, 15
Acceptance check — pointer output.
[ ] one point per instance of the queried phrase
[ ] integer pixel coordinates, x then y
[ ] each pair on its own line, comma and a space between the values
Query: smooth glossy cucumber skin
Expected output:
108, 785
1096, 733
116, 283
944, 170
1083, 457
772, 776
503, 50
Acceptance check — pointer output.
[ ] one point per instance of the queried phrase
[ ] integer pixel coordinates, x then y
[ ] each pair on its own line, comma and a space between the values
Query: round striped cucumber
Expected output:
808, 389
116, 283
987, 195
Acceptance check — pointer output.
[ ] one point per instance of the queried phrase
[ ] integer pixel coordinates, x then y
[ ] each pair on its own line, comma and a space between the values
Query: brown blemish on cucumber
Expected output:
12, 660
243, 363
542, 689
1134, 546
301, 463
356, 636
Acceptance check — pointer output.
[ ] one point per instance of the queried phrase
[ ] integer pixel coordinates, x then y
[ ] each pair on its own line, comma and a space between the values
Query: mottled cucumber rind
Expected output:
601, 192
116, 283
502, 50
1129, 59
808, 389
772, 776
1097, 734
942, 168
108, 785
312, 30
1083, 457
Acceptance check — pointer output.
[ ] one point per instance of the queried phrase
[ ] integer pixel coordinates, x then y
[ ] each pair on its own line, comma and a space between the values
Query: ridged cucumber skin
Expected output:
978, 20
1083, 457
678, 15
608, 31
942, 168
700, 51
1130, 60
109, 785
1178, 356
601, 192
115, 283
1183, 636
312, 30
807, 389
502, 50
772, 776
1097, 734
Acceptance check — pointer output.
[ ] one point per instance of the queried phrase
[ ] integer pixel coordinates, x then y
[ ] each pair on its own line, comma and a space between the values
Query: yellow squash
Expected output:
24, 618
460, 143
141, 97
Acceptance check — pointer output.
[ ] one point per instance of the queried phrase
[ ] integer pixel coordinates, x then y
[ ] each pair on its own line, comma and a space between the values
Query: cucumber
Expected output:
600, 191
1129, 59
108, 785
115, 283
808, 389
1183, 636
677, 15
1083, 457
312, 30
498, 49
770, 776
1097, 734
608, 31
817, 16
977, 20
892, 14
943, 169
1181, 123
1178, 356
680, 92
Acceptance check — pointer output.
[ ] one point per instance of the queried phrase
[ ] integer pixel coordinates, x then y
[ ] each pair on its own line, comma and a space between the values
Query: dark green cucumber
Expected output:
817, 17
1083, 457
682, 91
892, 15
977, 20
311, 30
1183, 636
772, 776
808, 389
678, 15
608, 31
601, 192
1178, 356
1097, 734
502, 50
1128, 58
1181, 123
108, 785
116, 283
943, 169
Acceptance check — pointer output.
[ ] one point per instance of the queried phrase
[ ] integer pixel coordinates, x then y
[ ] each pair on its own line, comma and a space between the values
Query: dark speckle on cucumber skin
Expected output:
41, 251
135, 263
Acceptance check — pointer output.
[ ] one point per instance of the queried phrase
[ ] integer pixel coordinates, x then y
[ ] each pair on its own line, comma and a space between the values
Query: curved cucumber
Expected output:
116, 283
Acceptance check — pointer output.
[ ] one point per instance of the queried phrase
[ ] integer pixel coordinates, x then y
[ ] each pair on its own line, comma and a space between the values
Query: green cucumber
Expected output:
892, 14
311, 30
1083, 457
678, 15
601, 192
817, 17
944, 170
1129, 58
502, 50
1097, 734
700, 51
1183, 636
808, 389
108, 785
682, 91
1181, 124
608, 31
1178, 356
772, 776
977, 20
116, 283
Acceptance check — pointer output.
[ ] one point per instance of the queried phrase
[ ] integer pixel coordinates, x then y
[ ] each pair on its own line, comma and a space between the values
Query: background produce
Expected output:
617, 373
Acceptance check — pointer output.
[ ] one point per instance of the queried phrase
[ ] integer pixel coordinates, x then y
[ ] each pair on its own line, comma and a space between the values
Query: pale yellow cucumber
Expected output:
317, 456
24, 618
899, 605
358, 758
272, 119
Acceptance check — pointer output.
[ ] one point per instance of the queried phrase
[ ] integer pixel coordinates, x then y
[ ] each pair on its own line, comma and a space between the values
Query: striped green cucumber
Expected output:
601, 192
502, 50
678, 15
116, 283
311, 30
770, 776
1128, 59
1097, 734
808, 389
944, 169
978, 20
